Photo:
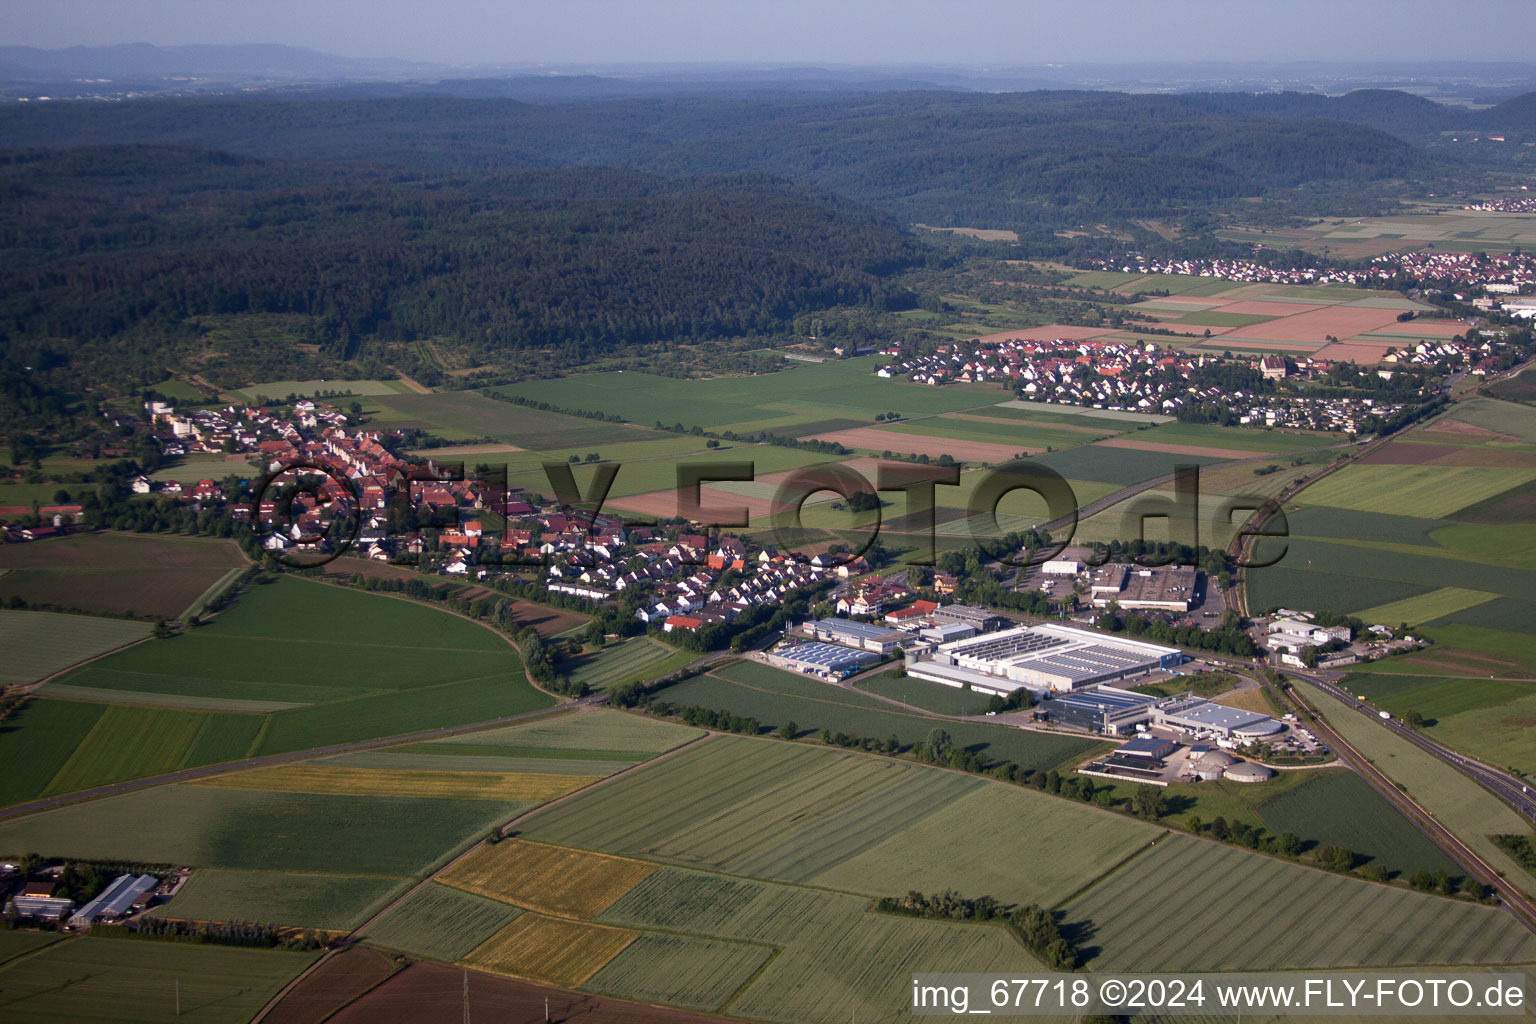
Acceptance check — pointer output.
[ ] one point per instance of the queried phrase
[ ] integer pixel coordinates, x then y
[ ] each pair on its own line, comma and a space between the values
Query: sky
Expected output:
846, 32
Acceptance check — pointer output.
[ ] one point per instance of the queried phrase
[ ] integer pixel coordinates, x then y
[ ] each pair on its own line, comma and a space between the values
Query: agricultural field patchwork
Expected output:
1430, 492
552, 879
1350, 922
441, 923
680, 970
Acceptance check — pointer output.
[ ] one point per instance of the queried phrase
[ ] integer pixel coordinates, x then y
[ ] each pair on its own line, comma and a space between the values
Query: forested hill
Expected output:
1040, 158
125, 243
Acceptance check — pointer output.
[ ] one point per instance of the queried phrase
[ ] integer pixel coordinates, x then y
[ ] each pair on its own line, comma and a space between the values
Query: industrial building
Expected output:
862, 635
829, 661
1104, 709
115, 900
1167, 588
980, 619
947, 632
1201, 717
1052, 657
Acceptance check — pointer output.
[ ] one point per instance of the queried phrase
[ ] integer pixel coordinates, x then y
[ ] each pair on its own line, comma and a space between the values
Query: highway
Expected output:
1511, 790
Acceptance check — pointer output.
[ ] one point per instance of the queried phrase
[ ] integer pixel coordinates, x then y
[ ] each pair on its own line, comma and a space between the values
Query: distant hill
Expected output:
1038, 158
118, 247
144, 61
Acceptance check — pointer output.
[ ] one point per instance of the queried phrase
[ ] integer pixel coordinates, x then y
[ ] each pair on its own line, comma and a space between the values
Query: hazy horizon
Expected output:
967, 33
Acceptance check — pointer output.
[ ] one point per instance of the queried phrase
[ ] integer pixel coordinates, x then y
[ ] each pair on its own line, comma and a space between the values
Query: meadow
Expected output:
85, 979
440, 923
680, 970
1430, 492
920, 693
1340, 808
464, 415
117, 573
774, 697
584, 734
1349, 922
38, 644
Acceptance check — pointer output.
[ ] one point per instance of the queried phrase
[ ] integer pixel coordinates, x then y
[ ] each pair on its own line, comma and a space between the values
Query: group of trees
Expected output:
1034, 926
221, 933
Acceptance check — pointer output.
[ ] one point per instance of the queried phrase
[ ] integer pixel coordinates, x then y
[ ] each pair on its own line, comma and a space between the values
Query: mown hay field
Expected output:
38, 644
553, 879
439, 922
1349, 922
506, 787
550, 949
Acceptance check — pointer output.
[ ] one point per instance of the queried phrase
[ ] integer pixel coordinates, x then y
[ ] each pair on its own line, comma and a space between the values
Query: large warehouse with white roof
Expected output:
1044, 658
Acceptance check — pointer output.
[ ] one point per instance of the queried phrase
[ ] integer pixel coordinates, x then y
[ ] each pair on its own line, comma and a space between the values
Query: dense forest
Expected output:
113, 242
1006, 160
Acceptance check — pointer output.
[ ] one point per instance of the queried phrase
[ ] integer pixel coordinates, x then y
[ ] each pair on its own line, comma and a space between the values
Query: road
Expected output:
1503, 785
1514, 900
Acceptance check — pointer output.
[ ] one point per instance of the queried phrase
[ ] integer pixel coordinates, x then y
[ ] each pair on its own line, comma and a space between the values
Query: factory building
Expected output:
1166, 588
1103, 709
1051, 657
1204, 718
862, 635
828, 661
980, 619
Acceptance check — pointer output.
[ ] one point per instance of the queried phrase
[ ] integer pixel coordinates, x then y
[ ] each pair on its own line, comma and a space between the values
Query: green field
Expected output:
1347, 922
680, 970
1431, 492
1426, 608
1340, 808
440, 923
459, 415
300, 899
1118, 465
773, 697
920, 693
120, 980
779, 402
38, 644
583, 734
635, 660
1462, 805
1216, 318
128, 743
19, 943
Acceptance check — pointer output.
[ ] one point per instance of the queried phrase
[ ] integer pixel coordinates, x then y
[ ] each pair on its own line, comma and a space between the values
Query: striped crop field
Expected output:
553, 950
441, 923
1215, 894
636, 660
680, 970
553, 879
592, 731
38, 644
299, 899
330, 779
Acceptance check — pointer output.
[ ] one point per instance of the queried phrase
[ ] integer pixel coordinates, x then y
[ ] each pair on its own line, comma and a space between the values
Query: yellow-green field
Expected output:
553, 950
328, 779
553, 879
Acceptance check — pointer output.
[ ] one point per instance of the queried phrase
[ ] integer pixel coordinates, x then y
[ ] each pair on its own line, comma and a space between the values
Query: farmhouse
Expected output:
114, 901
